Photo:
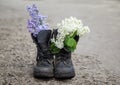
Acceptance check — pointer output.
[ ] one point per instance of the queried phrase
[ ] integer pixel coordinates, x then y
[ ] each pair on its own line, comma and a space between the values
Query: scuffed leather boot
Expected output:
44, 66
63, 65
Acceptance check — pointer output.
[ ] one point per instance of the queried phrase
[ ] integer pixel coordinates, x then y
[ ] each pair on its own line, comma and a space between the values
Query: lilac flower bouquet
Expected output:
66, 30
37, 21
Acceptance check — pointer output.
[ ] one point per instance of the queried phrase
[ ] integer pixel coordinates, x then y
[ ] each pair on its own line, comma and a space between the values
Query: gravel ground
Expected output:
17, 51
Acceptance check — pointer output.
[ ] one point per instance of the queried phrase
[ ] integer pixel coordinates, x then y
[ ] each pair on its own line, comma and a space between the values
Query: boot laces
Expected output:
62, 58
44, 57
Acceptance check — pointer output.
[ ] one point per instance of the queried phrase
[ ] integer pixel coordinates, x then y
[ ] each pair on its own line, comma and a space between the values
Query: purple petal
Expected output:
37, 21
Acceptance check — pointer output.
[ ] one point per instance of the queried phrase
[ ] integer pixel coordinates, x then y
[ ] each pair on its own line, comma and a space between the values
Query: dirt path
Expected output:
17, 51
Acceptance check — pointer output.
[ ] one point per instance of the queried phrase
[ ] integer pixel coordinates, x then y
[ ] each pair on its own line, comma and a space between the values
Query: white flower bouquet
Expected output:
67, 32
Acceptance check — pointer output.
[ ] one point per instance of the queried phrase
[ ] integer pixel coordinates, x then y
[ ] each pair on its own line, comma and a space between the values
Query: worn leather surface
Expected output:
44, 66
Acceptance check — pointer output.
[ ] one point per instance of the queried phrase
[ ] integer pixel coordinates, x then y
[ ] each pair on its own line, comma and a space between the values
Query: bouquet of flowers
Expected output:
37, 22
67, 30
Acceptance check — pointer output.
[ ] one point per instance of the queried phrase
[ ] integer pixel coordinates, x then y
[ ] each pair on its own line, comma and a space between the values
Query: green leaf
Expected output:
54, 49
72, 35
70, 43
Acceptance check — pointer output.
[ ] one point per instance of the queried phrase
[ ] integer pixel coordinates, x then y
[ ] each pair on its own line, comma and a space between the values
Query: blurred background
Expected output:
98, 53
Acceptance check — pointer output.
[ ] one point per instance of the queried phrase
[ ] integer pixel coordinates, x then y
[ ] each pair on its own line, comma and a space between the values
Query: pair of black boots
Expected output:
48, 64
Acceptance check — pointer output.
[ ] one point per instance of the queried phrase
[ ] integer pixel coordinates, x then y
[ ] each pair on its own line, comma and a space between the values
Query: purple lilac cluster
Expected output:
37, 21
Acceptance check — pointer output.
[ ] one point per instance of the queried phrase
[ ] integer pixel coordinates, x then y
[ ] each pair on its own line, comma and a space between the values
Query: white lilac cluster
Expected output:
68, 26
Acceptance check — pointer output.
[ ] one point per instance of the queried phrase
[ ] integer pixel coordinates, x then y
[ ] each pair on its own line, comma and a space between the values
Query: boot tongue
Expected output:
43, 38
44, 47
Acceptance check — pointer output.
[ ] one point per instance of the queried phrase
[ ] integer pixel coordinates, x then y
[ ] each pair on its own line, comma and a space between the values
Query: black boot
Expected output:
44, 66
63, 66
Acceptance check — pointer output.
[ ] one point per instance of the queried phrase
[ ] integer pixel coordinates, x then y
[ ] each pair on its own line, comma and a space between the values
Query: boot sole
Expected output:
64, 75
43, 75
